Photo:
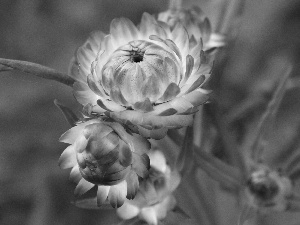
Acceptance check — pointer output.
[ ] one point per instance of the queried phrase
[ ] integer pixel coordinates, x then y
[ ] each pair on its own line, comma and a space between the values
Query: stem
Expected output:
36, 70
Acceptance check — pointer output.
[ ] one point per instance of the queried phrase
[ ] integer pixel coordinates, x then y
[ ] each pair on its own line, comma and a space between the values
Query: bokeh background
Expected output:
33, 189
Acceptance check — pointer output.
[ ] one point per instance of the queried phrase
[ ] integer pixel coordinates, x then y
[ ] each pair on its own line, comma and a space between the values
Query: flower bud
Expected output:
268, 190
104, 154
154, 198
196, 23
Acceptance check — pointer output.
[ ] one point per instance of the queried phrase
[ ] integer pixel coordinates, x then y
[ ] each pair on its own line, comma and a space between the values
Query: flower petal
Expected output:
122, 31
73, 70
110, 105
71, 135
67, 158
117, 194
141, 164
132, 185
97, 89
189, 68
158, 160
145, 106
181, 38
149, 26
82, 187
84, 94
102, 194
75, 174
156, 134
171, 92
148, 214
128, 211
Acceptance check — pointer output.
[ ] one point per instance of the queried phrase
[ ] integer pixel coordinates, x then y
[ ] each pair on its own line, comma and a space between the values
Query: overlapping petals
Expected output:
154, 198
197, 25
148, 77
104, 154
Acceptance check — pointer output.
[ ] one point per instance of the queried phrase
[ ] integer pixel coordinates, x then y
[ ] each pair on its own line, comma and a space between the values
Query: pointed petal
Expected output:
69, 115
132, 185
172, 70
73, 70
156, 134
168, 43
128, 211
189, 68
117, 97
149, 26
171, 92
67, 158
125, 154
122, 31
84, 94
168, 112
181, 38
197, 97
158, 160
82, 187
145, 106
71, 135
75, 174
110, 105
117, 194
196, 84
97, 89
141, 164
149, 215
102, 194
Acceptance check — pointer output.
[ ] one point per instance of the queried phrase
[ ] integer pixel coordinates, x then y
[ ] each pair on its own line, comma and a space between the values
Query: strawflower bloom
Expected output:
268, 190
148, 77
102, 153
197, 25
154, 198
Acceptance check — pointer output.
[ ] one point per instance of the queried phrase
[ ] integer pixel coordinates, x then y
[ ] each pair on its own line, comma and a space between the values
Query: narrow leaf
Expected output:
69, 115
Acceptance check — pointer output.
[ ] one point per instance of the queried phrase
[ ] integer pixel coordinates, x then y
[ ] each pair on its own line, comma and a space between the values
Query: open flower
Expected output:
154, 198
148, 77
196, 23
104, 154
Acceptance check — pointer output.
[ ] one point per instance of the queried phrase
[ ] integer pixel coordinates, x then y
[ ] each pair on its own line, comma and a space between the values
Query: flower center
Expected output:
136, 56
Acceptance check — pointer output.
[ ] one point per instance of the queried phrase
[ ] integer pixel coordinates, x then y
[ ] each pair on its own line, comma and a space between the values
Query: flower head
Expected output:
268, 190
148, 77
104, 154
196, 23
154, 198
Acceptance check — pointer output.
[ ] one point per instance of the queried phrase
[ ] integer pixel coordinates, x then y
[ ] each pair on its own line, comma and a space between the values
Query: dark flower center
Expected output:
136, 56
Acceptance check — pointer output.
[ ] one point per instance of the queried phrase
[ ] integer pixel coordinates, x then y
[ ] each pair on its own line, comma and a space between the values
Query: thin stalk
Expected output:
36, 70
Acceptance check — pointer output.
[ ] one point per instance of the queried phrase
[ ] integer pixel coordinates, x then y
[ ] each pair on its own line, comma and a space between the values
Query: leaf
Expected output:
69, 115
256, 143
36, 70
187, 152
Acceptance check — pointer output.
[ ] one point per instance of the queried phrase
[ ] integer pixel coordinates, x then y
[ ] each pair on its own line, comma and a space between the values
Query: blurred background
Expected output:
33, 189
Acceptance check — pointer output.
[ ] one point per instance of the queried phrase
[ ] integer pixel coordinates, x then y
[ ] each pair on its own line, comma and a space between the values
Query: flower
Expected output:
104, 154
268, 190
147, 77
154, 198
196, 23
